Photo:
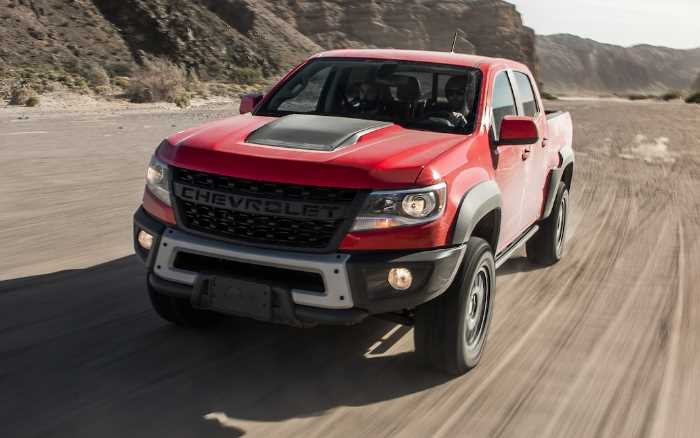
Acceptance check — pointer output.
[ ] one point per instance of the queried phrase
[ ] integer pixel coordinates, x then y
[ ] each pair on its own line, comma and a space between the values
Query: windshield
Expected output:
426, 96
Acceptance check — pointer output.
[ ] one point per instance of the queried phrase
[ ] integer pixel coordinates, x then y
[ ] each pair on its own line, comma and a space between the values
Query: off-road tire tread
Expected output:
541, 248
437, 328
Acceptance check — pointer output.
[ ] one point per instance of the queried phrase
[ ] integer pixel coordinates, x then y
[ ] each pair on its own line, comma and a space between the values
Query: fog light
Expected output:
400, 278
145, 240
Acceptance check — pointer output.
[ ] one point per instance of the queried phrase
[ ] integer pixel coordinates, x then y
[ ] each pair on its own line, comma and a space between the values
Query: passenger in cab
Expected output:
363, 98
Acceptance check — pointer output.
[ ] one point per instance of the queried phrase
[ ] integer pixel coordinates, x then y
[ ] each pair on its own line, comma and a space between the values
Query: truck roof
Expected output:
423, 56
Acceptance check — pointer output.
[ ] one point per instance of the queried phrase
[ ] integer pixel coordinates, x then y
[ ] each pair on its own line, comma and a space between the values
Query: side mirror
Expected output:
249, 102
518, 131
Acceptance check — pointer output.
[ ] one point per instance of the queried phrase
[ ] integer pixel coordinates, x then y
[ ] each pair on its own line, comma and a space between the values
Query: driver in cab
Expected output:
456, 109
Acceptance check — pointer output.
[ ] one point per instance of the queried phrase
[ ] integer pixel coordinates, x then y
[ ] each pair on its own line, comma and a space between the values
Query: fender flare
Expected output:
566, 155
479, 201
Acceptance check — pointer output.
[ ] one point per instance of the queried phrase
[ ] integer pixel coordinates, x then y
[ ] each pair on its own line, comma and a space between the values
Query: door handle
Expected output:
526, 153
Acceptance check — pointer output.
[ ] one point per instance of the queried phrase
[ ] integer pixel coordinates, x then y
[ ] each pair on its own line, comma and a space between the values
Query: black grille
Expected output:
259, 228
264, 189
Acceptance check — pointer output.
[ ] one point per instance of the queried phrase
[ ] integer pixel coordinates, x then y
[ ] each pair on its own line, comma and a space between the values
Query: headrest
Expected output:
408, 89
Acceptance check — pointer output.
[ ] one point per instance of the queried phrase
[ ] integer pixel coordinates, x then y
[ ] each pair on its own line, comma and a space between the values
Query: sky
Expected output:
669, 23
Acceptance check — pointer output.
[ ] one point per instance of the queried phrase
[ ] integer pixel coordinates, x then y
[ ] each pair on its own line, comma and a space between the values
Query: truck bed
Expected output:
560, 130
553, 113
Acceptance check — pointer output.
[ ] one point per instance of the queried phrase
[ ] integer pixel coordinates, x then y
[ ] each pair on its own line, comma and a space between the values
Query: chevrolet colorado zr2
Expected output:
365, 183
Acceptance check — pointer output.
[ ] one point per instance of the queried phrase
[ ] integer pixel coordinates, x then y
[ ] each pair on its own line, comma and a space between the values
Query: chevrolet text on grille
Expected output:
259, 205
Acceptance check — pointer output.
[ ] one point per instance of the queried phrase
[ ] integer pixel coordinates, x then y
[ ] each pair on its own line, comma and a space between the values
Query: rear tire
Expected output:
180, 312
450, 331
547, 246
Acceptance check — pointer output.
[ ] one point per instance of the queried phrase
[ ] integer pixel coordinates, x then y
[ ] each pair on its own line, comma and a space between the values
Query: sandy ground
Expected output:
604, 344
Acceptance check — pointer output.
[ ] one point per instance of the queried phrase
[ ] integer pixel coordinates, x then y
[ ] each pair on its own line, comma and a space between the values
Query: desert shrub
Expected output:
103, 90
32, 101
80, 83
96, 75
43, 79
693, 98
219, 89
119, 69
138, 93
72, 65
671, 95
245, 75
121, 82
182, 100
156, 81
21, 95
49, 88
548, 96
639, 96
195, 86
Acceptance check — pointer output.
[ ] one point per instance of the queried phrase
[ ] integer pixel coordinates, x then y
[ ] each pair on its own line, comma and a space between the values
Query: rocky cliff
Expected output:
213, 36
58, 33
490, 27
218, 36
569, 64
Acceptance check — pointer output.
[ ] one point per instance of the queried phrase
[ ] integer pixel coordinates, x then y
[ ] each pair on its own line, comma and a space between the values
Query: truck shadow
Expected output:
85, 348
517, 264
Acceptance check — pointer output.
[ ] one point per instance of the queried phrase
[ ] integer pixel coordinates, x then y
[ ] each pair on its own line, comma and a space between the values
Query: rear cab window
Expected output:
526, 94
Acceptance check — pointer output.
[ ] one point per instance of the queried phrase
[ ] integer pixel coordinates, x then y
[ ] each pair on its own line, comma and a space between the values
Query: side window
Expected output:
526, 94
503, 101
305, 95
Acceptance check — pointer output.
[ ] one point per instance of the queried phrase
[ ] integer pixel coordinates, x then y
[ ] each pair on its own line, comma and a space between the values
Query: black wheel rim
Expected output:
478, 302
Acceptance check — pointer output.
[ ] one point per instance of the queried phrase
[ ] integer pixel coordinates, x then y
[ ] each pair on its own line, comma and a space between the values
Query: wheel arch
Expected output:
479, 215
563, 173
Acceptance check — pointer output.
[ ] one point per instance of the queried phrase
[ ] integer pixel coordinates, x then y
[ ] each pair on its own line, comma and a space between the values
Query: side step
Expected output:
504, 255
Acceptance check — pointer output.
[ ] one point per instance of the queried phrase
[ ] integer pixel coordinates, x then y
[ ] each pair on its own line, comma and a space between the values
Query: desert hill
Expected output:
570, 64
219, 37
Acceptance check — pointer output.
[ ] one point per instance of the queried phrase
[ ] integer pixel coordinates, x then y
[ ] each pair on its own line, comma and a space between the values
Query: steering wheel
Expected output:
442, 117
442, 114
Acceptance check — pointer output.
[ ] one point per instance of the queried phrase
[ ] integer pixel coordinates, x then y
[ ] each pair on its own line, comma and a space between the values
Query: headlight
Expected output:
157, 180
401, 208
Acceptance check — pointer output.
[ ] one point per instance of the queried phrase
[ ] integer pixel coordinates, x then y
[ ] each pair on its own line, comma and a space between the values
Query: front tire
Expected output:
547, 246
180, 312
450, 331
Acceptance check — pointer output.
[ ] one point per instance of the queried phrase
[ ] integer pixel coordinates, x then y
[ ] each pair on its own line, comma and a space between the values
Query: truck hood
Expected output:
309, 150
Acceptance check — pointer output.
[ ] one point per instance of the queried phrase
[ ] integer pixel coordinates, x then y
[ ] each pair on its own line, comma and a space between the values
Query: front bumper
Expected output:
336, 288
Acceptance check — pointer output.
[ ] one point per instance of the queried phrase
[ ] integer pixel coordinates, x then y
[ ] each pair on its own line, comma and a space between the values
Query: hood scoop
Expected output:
311, 132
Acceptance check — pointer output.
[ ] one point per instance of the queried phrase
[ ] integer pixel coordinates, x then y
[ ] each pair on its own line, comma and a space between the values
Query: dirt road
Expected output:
604, 344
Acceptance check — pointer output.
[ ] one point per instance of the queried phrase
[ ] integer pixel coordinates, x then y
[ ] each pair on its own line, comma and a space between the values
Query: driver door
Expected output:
509, 167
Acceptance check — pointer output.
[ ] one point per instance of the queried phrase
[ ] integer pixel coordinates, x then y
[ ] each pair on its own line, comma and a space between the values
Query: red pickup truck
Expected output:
366, 183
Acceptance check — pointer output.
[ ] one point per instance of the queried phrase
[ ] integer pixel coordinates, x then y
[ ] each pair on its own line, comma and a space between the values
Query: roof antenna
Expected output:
454, 40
